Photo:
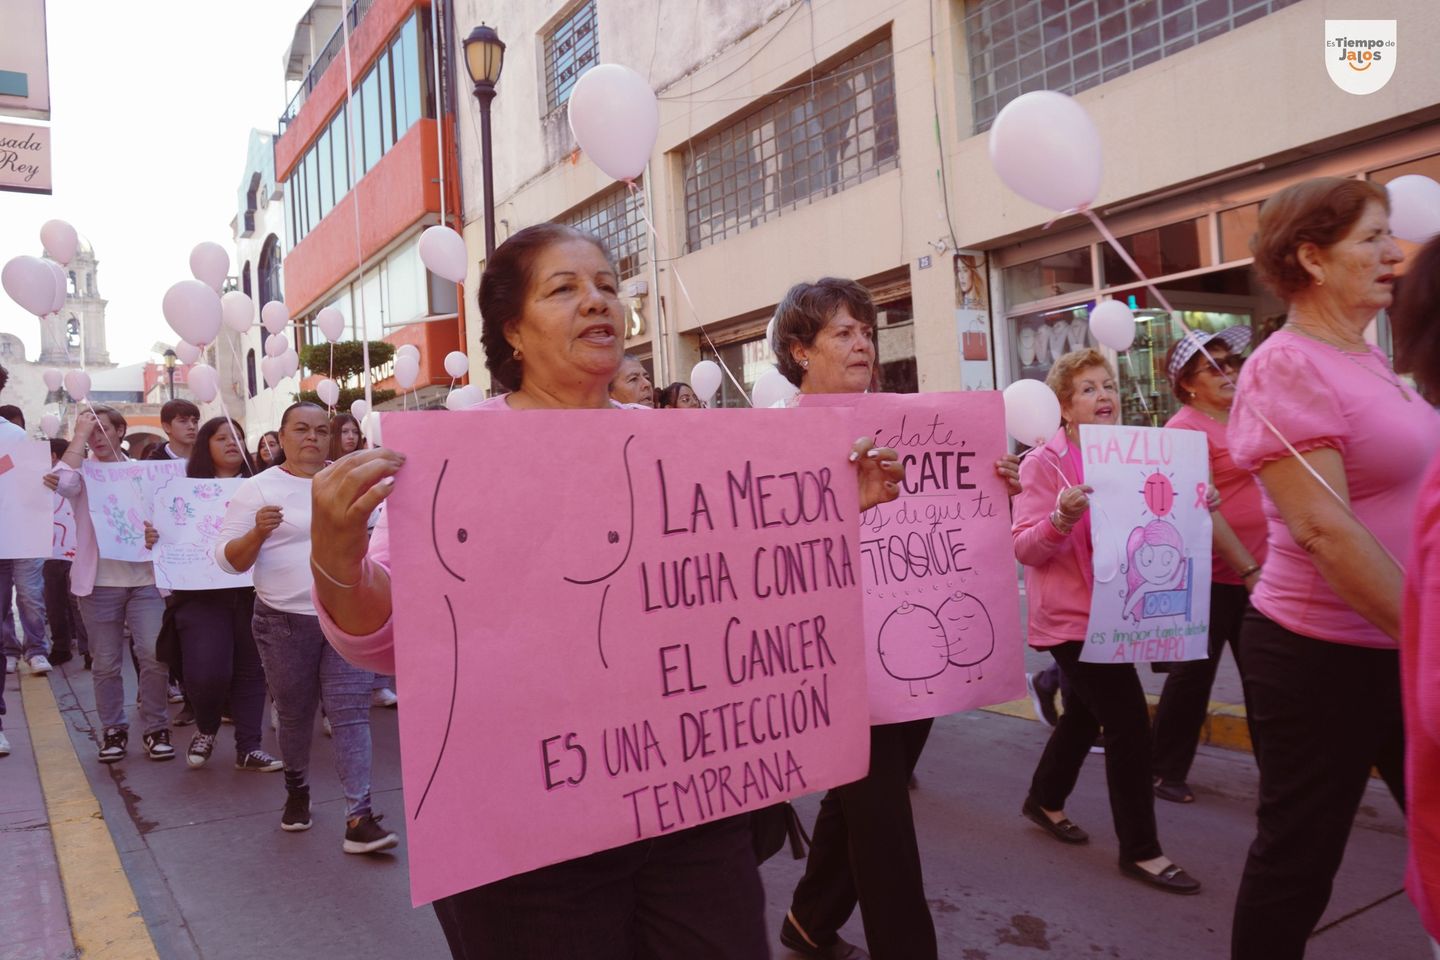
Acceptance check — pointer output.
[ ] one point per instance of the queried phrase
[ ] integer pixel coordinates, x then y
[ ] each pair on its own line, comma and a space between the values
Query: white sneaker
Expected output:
384, 697
4, 746
11, 663
274, 717
40, 664
325, 723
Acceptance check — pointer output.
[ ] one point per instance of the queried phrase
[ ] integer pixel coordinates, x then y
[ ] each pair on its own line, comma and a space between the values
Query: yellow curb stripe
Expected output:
105, 920
1224, 726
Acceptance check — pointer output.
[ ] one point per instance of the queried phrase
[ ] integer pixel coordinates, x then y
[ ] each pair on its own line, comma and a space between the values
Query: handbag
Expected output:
974, 344
771, 826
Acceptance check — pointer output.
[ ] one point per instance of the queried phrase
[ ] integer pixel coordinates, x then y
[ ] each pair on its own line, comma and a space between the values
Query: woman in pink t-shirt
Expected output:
1417, 339
1207, 395
1322, 670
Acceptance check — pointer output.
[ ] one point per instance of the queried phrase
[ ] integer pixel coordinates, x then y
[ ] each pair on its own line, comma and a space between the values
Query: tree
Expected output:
346, 369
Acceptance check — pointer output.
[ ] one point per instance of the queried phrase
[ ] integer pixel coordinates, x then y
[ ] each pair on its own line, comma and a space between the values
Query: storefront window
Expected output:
1052, 276
1173, 248
1237, 227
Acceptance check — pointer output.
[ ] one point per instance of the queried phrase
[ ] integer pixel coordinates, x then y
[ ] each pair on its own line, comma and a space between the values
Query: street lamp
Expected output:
170, 370
484, 58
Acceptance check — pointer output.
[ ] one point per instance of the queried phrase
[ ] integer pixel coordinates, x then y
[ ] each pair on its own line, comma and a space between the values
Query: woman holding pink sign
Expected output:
553, 336
1052, 540
1340, 445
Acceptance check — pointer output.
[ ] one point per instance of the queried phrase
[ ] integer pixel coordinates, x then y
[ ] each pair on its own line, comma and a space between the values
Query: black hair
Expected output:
201, 465
1417, 332
13, 413
805, 311
669, 398
178, 408
504, 286
58, 447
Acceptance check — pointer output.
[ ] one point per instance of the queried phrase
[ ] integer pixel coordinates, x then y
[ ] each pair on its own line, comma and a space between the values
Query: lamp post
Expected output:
170, 371
484, 58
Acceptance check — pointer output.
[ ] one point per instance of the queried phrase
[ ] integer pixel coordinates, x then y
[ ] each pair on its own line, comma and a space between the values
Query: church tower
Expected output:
81, 322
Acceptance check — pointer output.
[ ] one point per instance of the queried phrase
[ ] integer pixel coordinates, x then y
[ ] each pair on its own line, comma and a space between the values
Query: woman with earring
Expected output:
1202, 367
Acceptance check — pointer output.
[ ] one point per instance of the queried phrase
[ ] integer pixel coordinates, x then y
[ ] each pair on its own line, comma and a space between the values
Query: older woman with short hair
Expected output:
1052, 541
552, 333
1322, 672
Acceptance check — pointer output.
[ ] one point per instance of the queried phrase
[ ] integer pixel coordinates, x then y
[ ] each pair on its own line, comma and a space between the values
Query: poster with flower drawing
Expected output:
1150, 529
188, 515
121, 497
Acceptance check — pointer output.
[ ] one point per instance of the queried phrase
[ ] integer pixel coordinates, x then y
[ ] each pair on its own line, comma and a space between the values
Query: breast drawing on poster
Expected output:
1151, 533
187, 515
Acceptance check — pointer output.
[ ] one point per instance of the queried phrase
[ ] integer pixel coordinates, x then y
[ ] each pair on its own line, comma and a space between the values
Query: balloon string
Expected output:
1053, 465
685, 292
234, 433
1130, 368
355, 205
1225, 375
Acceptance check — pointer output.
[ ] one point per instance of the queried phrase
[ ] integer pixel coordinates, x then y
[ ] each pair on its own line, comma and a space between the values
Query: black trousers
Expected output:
66, 624
864, 850
1322, 715
1185, 700
1104, 696
221, 662
694, 895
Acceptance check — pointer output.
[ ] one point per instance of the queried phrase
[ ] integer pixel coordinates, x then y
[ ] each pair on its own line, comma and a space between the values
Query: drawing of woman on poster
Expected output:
1156, 583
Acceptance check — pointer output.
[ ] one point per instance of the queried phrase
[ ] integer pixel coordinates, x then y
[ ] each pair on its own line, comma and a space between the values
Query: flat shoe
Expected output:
1172, 879
792, 938
1176, 791
1065, 831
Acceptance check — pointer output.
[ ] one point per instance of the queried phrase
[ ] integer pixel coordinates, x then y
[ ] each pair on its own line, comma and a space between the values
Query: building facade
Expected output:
845, 138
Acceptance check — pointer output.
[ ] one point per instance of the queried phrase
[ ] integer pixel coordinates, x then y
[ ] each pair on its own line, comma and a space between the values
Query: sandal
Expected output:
1176, 791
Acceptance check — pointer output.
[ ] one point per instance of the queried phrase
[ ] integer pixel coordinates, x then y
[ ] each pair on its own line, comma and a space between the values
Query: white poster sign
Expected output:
63, 529
24, 499
24, 60
121, 495
188, 514
1150, 528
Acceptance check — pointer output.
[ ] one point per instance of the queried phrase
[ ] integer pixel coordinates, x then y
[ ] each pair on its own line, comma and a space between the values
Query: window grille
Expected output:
570, 49
614, 218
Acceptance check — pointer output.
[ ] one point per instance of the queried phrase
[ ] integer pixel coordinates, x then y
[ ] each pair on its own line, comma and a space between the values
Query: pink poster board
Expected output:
942, 598
616, 625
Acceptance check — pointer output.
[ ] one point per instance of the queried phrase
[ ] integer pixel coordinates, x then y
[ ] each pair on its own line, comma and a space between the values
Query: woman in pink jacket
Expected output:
1052, 540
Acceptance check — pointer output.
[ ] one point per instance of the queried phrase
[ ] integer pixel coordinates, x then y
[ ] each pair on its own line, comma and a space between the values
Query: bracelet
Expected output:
1057, 521
345, 586
1253, 568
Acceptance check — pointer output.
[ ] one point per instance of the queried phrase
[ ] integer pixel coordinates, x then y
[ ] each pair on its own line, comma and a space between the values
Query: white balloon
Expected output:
1113, 324
209, 263
456, 364
614, 116
193, 311
204, 382
77, 384
359, 408
51, 425
328, 391
62, 289
442, 250
187, 352
59, 240
275, 316
462, 397
331, 323
290, 362
1032, 412
370, 427
772, 389
407, 370
53, 379
238, 311
407, 350
1046, 148
30, 284
1414, 207
705, 379
276, 344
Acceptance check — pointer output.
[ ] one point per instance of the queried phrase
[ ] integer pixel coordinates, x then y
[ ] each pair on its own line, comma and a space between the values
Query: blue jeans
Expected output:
28, 580
107, 611
220, 661
303, 671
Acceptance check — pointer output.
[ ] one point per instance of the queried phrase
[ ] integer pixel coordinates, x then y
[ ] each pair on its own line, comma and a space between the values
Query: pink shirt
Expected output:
1239, 493
1058, 572
1420, 691
1318, 396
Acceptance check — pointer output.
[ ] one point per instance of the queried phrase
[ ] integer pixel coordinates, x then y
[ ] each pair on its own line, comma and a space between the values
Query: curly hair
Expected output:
1061, 377
504, 285
1319, 211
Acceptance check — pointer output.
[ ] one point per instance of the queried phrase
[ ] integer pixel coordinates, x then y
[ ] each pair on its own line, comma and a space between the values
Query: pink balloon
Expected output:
1113, 324
209, 263
29, 283
407, 349
62, 289
53, 379
328, 391
457, 364
331, 323
187, 352
358, 409
290, 361
442, 250
77, 384
614, 116
407, 369
193, 311
59, 240
276, 345
1046, 148
237, 310
270, 368
204, 382
51, 425
275, 316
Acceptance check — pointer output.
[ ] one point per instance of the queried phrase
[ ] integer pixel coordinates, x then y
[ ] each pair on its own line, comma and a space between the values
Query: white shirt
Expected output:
282, 570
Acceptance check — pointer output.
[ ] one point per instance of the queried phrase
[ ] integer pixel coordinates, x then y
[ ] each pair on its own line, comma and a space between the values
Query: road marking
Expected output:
105, 919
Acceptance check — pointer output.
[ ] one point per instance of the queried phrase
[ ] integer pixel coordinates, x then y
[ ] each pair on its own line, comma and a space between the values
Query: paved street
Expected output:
216, 878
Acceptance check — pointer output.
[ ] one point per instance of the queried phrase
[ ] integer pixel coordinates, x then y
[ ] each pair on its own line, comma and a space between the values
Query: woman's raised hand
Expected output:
879, 470
343, 496
1073, 502
1007, 468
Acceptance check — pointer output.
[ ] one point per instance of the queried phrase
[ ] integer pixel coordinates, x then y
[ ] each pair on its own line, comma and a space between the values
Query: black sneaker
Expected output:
157, 745
185, 717
258, 760
367, 836
201, 746
297, 811
114, 748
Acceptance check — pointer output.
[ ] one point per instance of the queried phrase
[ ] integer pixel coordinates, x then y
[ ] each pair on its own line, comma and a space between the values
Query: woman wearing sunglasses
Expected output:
1194, 364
